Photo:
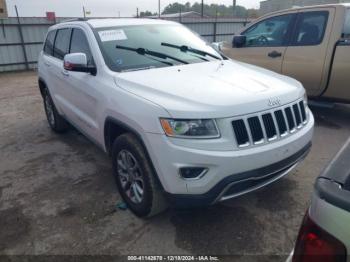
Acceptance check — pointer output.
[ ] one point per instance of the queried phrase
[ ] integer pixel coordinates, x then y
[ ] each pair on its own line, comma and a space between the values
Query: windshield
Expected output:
152, 46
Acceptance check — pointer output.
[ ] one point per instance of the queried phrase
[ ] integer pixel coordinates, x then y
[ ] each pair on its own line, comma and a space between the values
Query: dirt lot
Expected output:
57, 193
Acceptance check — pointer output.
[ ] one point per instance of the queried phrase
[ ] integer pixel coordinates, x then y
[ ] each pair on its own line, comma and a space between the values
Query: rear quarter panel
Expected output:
334, 220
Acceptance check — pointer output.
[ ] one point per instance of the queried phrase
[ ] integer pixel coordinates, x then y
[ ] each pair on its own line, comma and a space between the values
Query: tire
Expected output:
57, 123
136, 180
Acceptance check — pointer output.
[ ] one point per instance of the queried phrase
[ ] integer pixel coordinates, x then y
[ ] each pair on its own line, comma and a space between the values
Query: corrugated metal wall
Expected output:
16, 54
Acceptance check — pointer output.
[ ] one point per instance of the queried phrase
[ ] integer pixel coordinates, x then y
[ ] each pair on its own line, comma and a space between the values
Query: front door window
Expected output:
270, 32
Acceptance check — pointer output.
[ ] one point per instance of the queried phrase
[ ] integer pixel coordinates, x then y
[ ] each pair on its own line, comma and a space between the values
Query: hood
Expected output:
211, 89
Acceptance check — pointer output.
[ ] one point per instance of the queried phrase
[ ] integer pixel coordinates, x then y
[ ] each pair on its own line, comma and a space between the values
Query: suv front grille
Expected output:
268, 126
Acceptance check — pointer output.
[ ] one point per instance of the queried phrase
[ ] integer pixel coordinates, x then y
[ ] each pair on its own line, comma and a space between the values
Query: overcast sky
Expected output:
100, 7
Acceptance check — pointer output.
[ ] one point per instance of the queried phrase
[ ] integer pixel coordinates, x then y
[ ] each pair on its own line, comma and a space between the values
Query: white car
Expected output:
183, 124
325, 233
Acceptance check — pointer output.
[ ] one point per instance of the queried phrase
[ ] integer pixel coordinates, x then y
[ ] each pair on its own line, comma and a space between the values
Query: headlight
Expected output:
199, 128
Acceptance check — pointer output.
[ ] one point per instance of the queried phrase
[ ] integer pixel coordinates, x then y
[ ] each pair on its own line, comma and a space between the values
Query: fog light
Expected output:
192, 173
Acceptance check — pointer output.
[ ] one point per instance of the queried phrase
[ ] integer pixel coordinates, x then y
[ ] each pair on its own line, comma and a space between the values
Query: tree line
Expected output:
211, 10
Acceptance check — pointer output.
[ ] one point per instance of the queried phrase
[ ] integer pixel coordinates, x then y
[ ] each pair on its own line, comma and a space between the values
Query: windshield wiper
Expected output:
143, 51
138, 69
185, 48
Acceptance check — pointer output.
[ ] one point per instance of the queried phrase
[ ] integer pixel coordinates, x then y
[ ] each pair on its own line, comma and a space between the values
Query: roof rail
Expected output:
74, 19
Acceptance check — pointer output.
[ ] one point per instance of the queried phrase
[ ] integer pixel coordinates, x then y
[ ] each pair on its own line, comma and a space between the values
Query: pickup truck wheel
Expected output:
56, 122
135, 177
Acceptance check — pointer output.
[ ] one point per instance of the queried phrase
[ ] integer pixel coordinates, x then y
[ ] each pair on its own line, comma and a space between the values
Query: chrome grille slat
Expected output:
276, 125
302, 111
268, 126
290, 119
297, 115
249, 131
263, 127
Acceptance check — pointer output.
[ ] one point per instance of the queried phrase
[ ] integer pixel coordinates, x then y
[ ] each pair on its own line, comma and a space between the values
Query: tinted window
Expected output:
48, 47
347, 25
310, 28
62, 43
79, 44
270, 32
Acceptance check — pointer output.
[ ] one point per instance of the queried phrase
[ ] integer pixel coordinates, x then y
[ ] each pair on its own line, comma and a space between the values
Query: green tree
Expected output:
146, 13
210, 10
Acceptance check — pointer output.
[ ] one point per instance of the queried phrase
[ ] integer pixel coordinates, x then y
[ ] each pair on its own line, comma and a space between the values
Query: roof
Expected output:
111, 22
347, 5
108, 22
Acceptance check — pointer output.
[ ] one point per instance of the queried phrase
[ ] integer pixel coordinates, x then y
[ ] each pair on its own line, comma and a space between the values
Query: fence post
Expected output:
180, 14
3, 28
215, 25
22, 40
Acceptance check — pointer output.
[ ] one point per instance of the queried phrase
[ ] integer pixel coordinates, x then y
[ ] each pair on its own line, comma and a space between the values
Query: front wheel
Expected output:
55, 120
135, 177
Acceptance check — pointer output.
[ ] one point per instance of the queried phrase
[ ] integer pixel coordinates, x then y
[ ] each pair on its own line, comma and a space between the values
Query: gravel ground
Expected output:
57, 193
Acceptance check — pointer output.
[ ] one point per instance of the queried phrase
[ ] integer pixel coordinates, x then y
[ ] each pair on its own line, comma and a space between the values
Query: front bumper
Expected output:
239, 184
246, 169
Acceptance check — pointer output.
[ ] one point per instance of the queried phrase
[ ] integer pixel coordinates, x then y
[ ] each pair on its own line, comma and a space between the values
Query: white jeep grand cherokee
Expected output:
183, 124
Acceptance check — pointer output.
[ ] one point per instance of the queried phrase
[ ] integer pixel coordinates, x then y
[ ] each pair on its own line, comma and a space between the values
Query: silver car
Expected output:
325, 232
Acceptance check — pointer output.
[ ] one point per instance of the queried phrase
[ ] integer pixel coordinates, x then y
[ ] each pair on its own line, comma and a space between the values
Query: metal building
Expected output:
269, 6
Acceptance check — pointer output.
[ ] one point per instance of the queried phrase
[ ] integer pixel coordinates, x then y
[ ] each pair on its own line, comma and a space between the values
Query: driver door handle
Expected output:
274, 54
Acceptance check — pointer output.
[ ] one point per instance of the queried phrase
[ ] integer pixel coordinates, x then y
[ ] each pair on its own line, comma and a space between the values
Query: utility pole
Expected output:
137, 12
180, 14
158, 8
234, 8
22, 39
202, 11
84, 11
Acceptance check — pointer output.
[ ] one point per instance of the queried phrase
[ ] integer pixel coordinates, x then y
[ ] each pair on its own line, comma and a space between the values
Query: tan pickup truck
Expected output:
310, 44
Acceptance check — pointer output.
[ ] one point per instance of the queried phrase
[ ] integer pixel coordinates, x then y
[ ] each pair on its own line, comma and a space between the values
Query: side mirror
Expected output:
77, 62
239, 41
217, 46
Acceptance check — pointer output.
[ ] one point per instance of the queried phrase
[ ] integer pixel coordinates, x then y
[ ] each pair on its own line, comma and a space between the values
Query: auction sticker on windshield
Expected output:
112, 35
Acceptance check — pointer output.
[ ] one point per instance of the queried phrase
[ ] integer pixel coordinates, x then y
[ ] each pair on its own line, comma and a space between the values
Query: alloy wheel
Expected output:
130, 176
49, 110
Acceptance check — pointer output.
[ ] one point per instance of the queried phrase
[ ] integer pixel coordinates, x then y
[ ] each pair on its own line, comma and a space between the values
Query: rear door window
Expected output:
346, 33
79, 44
48, 47
62, 43
310, 28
